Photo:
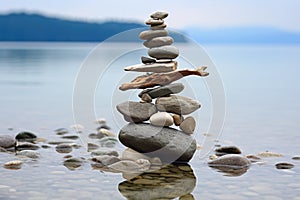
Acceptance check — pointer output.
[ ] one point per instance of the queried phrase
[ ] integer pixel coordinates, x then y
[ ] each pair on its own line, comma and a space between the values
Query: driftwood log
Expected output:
155, 79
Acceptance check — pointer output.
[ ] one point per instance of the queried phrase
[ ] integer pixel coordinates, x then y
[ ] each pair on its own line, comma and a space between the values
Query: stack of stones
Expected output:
157, 138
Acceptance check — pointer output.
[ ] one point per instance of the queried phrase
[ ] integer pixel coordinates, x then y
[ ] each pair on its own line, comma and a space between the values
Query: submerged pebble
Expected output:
63, 148
104, 152
14, 164
284, 165
269, 154
73, 163
28, 153
26, 146
61, 131
296, 158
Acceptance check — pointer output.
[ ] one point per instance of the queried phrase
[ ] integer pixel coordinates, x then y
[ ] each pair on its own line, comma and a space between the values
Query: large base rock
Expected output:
169, 144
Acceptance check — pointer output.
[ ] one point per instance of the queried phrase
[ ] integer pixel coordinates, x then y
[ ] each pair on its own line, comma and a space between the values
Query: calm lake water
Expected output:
262, 114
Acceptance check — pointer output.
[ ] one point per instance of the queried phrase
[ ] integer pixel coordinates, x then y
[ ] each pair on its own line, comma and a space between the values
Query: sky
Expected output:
281, 14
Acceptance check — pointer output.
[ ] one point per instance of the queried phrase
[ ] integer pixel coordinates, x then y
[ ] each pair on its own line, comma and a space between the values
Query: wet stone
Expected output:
227, 150
7, 141
26, 136
284, 165
63, 148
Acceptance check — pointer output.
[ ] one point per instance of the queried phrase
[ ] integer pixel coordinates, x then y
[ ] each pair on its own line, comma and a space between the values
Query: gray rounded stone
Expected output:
158, 42
63, 148
154, 22
158, 27
136, 111
232, 160
162, 91
149, 34
164, 52
169, 144
147, 60
284, 165
26, 136
29, 153
7, 141
177, 104
159, 15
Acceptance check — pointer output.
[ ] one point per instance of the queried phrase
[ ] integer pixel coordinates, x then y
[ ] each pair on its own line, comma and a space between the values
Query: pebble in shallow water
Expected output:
15, 164
28, 153
284, 165
63, 148
26, 136
7, 141
269, 154
73, 163
227, 150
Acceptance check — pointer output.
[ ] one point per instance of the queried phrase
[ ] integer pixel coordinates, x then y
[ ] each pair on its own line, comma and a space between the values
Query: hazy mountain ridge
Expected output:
35, 27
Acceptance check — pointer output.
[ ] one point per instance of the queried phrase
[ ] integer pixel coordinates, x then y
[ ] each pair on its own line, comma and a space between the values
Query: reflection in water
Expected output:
169, 182
228, 170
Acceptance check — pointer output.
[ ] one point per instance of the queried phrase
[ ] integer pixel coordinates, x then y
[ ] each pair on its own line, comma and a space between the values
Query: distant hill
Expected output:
34, 27
245, 35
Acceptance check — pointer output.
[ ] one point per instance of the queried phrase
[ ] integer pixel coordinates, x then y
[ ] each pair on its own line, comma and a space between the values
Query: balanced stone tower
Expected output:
156, 138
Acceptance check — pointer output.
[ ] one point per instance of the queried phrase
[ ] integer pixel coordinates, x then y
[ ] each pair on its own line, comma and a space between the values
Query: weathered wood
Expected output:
154, 67
155, 79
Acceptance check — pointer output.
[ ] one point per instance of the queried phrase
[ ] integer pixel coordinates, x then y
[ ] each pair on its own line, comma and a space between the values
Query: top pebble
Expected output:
159, 15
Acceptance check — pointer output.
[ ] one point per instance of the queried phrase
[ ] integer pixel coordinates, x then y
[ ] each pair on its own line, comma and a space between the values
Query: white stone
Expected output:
161, 119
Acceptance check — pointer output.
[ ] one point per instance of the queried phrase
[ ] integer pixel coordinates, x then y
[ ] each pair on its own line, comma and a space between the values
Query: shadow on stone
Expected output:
169, 182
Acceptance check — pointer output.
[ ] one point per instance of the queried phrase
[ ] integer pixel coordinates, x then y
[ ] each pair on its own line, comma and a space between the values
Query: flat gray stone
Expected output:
158, 42
7, 141
284, 165
177, 104
149, 34
162, 91
164, 52
159, 15
147, 60
136, 111
154, 22
232, 160
169, 144
158, 27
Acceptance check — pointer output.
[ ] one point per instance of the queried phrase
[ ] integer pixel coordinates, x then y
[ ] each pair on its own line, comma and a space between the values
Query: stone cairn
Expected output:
157, 139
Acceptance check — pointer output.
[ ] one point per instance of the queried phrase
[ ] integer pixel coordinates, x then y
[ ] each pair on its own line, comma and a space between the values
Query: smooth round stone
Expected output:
227, 150
158, 42
159, 15
149, 34
161, 119
29, 153
154, 22
7, 141
136, 111
164, 52
232, 160
162, 91
169, 144
178, 119
188, 125
147, 60
284, 165
177, 104
106, 132
63, 148
26, 136
14, 164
